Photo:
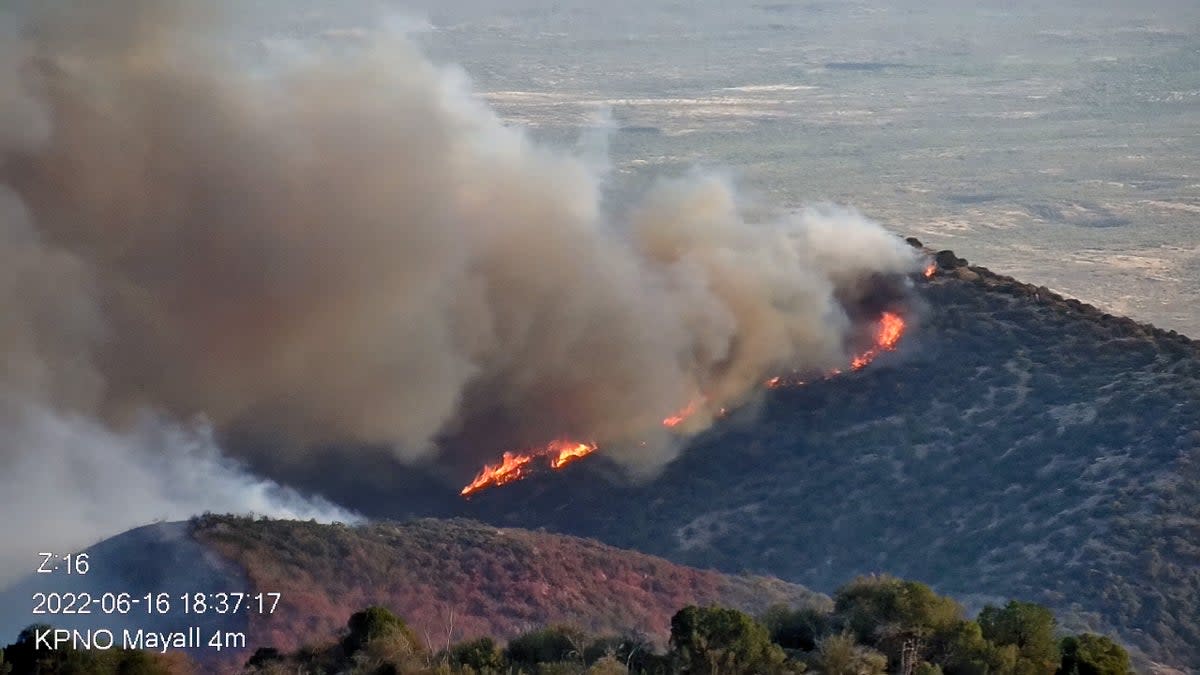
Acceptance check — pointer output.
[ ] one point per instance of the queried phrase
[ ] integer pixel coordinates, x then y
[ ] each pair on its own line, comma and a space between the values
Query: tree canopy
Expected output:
877, 625
1090, 654
711, 640
1028, 627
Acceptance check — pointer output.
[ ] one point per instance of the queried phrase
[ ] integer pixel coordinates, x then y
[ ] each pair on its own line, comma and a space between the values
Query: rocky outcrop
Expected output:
960, 270
948, 261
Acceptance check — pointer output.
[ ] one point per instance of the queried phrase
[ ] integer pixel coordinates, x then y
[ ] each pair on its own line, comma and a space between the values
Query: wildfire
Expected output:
507, 470
780, 381
514, 466
568, 452
686, 412
930, 270
887, 336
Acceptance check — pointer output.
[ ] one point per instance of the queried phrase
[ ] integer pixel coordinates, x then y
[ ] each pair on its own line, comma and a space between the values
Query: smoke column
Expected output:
345, 245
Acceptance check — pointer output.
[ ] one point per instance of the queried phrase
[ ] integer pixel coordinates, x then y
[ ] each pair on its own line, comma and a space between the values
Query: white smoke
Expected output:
68, 481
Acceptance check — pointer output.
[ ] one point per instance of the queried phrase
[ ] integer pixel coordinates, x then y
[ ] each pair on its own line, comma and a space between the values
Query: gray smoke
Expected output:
345, 245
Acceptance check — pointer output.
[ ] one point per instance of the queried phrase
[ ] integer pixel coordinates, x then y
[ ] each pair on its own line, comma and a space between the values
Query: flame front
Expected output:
687, 411
930, 270
565, 452
887, 336
517, 465
791, 380
507, 470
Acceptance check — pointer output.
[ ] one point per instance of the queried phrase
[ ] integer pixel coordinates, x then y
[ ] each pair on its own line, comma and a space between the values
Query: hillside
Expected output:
450, 580
1018, 445
469, 598
467, 577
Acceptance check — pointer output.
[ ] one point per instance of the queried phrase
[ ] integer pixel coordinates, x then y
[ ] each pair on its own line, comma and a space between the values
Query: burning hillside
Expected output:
1033, 447
557, 454
312, 248
516, 465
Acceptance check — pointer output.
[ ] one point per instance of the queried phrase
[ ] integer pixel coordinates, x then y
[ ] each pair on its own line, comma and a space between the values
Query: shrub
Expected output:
549, 645
1090, 654
480, 654
722, 640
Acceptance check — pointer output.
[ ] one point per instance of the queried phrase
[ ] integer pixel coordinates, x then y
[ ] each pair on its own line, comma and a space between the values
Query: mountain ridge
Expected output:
1019, 444
947, 262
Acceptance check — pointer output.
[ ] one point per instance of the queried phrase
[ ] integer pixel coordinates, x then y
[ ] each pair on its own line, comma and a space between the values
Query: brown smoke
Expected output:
347, 246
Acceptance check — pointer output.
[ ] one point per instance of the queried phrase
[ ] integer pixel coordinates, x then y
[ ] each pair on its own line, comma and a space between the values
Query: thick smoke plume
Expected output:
345, 245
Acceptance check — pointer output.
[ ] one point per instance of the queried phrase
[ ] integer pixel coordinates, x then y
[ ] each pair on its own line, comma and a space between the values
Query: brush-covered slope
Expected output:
466, 577
453, 580
1018, 445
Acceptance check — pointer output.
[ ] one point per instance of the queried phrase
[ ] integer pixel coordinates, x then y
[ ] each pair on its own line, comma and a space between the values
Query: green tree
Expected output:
842, 655
962, 650
889, 613
380, 642
796, 628
549, 645
711, 640
1090, 654
482, 654
1027, 626
374, 623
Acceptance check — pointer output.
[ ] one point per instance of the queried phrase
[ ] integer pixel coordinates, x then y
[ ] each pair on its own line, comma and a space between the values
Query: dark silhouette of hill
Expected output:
1018, 445
158, 558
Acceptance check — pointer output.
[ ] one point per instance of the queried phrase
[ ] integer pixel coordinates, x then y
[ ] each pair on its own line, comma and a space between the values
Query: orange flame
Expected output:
792, 380
517, 465
930, 270
507, 470
891, 329
567, 452
686, 412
